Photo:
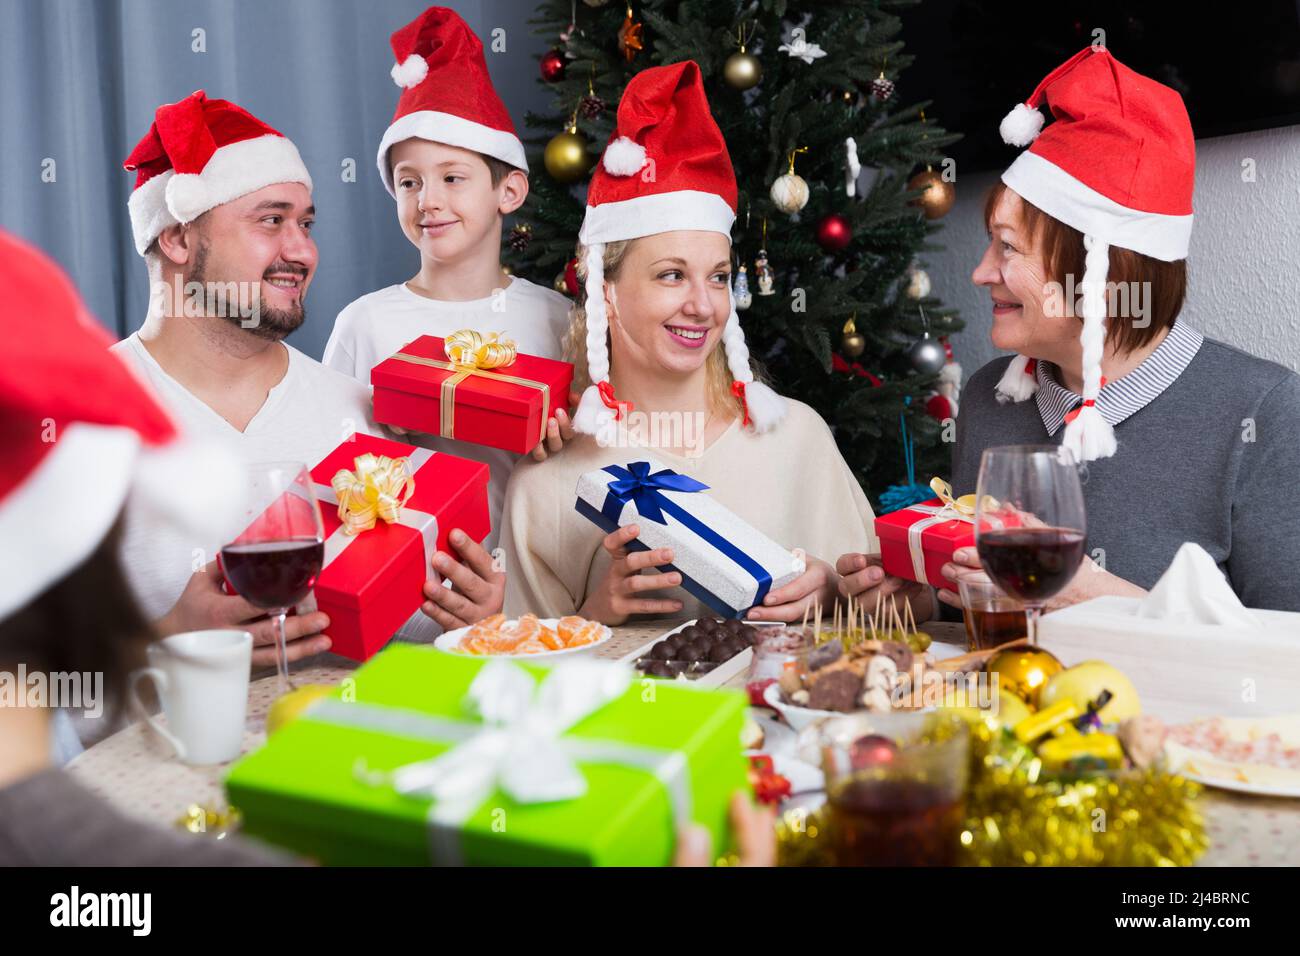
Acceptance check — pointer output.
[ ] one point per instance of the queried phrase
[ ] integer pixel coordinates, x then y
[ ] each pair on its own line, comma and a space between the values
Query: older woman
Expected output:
1186, 439
667, 373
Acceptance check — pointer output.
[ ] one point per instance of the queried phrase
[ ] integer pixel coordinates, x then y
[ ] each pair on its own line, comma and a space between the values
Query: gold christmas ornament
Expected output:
939, 194
852, 344
789, 192
1023, 671
565, 157
742, 71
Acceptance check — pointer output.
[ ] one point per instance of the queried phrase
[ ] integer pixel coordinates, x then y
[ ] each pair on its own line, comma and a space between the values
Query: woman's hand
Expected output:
204, 606
755, 829
479, 587
616, 597
864, 580
1089, 581
819, 583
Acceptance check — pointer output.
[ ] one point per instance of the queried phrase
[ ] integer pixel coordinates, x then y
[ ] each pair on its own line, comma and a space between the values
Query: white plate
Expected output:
797, 717
448, 642
1287, 784
714, 678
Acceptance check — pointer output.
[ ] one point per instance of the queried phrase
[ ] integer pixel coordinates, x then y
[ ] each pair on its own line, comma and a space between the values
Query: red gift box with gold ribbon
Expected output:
377, 560
472, 387
916, 542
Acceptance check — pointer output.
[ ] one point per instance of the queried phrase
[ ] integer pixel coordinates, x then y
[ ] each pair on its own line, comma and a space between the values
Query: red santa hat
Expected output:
78, 433
200, 153
447, 94
1118, 164
663, 120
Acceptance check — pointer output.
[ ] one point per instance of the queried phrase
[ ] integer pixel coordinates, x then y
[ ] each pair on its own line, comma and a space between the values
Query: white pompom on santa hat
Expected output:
447, 94
664, 119
201, 153
1118, 164
80, 435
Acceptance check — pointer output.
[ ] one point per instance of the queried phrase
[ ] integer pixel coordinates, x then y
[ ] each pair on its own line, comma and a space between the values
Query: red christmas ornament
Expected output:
833, 232
553, 64
571, 277
872, 751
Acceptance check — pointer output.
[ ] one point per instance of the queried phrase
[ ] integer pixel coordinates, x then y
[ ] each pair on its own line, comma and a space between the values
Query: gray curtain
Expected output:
80, 80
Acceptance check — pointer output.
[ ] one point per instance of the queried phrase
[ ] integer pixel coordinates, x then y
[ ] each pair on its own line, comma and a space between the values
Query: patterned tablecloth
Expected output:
138, 773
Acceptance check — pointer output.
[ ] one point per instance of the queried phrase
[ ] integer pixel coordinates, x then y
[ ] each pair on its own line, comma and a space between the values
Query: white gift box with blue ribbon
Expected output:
724, 561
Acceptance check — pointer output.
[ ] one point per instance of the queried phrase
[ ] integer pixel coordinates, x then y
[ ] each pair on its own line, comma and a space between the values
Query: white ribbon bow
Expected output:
518, 749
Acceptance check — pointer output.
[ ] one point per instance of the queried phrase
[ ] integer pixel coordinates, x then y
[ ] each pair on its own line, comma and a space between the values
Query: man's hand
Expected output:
479, 588
615, 598
863, 579
818, 583
203, 606
1089, 581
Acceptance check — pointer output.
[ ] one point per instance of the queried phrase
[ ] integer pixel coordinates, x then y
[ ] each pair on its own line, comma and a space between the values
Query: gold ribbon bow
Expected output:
474, 353
476, 350
377, 488
965, 505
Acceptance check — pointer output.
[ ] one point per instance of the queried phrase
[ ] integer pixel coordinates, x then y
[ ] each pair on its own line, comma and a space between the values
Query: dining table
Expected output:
136, 771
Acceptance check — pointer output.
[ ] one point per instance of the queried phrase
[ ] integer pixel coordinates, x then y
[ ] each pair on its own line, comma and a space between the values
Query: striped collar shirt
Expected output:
1125, 396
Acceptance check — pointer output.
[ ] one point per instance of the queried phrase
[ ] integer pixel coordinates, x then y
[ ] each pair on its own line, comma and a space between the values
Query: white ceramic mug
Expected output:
202, 680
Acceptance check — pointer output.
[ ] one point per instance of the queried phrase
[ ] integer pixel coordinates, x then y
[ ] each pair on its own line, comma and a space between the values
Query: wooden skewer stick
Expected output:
803, 625
909, 618
893, 610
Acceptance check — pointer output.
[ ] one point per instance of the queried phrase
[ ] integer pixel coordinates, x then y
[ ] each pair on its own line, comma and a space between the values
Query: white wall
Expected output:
1243, 268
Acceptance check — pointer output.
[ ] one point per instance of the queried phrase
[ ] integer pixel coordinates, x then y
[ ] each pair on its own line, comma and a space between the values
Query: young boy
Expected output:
453, 163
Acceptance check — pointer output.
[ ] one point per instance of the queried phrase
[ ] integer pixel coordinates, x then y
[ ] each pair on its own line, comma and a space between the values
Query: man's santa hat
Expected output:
663, 120
447, 94
78, 433
1118, 164
201, 153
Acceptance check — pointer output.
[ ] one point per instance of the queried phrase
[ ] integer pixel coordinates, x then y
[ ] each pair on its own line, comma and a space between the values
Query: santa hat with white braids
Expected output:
1117, 164
664, 126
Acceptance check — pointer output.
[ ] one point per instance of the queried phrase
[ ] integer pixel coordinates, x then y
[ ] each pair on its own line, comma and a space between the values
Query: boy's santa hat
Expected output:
664, 123
78, 433
447, 94
200, 153
1118, 164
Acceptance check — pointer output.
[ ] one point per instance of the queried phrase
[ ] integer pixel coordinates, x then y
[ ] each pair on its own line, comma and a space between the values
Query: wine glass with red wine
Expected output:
274, 563
1030, 524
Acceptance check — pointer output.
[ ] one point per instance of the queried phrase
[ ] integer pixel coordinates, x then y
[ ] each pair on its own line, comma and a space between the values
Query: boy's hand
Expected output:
480, 589
559, 429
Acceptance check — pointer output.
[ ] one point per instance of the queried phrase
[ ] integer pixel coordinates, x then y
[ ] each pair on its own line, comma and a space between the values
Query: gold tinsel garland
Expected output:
1017, 816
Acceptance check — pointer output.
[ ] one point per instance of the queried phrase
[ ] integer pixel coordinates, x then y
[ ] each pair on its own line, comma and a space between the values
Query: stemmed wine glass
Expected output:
274, 563
1030, 524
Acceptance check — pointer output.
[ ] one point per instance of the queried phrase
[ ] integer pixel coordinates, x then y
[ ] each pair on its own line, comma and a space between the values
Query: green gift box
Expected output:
350, 781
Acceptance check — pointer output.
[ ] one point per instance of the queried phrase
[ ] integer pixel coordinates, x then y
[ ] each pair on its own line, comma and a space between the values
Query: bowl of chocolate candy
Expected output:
697, 648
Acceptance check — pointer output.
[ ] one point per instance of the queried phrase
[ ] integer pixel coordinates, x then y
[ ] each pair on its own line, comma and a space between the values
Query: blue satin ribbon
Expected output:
635, 483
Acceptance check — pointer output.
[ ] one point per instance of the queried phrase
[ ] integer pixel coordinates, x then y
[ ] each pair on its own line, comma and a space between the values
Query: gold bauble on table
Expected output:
1023, 671
939, 194
566, 157
742, 70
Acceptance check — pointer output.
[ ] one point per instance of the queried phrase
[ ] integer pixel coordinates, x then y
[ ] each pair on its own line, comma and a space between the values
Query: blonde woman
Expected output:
660, 353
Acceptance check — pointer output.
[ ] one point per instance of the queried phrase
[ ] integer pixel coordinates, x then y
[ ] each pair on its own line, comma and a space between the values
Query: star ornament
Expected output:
630, 39
798, 46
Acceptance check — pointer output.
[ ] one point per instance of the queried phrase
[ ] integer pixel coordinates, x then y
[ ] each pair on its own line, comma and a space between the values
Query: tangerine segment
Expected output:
494, 622
589, 633
532, 646
552, 639
527, 627
567, 626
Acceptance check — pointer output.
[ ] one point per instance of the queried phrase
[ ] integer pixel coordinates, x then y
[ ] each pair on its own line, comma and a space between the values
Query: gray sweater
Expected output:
1215, 459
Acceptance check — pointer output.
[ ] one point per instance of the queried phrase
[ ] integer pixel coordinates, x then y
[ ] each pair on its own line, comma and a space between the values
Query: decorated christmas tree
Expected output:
840, 181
